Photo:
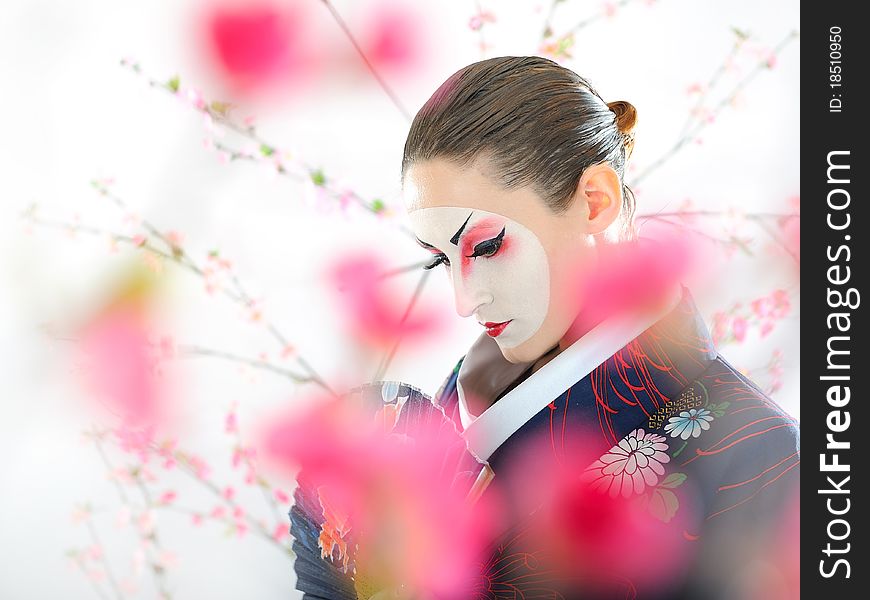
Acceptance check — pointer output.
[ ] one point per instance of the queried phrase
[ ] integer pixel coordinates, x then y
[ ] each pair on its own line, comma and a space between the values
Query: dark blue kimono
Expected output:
732, 464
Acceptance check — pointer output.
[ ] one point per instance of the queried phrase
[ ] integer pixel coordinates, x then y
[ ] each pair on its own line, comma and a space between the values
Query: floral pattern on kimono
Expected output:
680, 426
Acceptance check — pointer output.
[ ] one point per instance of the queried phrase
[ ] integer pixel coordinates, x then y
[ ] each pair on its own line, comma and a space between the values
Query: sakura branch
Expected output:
388, 358
764, 220
477, 23
175, 253
198, 472
147, 529
245, 454
138, 475
168, 247
371, 68
703, 91
762, 313
152, 547
564, 41
261, 150
701, 124
256, 363
96, 554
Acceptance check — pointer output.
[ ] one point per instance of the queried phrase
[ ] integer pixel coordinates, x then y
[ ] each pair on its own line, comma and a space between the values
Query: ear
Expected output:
600, 189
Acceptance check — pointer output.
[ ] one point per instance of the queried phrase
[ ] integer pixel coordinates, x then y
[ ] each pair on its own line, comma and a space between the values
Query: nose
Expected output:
468, 294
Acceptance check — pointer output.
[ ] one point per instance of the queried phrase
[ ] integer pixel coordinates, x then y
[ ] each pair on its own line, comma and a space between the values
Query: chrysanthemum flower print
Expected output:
635, 462
689, 423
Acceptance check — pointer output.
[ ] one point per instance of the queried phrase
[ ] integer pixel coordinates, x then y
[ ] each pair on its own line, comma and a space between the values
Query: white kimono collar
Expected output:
485, 371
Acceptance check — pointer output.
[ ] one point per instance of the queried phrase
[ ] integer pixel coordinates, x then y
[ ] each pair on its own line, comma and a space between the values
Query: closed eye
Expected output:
488, 247
440, 258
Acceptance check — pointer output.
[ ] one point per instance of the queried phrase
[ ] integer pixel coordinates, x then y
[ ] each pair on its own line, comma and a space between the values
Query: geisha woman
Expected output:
513, 179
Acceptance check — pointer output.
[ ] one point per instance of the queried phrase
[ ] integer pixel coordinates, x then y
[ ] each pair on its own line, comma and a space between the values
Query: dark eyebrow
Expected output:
455, 239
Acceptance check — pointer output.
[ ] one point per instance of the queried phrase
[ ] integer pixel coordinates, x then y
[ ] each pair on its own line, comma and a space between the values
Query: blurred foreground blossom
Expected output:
120, 361
596, 526
373, 310
394, 38
259, 45
637, 275
393, 515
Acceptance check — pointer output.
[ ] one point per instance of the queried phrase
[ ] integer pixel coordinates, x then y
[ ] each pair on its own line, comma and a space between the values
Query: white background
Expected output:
71, 113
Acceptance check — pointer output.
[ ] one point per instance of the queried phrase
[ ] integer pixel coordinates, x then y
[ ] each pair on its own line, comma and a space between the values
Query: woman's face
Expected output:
510, 259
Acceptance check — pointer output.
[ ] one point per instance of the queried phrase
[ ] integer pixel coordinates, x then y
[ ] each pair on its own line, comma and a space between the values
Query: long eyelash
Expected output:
480, 249
440, 258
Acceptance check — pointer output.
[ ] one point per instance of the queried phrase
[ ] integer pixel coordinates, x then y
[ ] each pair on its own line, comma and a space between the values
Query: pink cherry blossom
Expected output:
241, 528
281, 531
231, 423
739, 327
372, 310
146, 523
388, 484
259, 45
123, 517
80, 514
167, 497
394, 37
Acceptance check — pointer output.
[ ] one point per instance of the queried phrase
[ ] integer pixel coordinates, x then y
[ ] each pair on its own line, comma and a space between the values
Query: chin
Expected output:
523, 353
510, 356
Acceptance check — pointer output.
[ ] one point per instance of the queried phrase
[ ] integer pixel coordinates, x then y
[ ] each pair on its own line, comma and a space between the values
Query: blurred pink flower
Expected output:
237, 457
477, 21
739, 327
720, 327
96, 575
167, 497
135, 440
632, 276
146, 523
123, 516
388, 483
372, 310
281, 531
259, 44
80, 514
393, 39
200, 467
598, 526
231, 423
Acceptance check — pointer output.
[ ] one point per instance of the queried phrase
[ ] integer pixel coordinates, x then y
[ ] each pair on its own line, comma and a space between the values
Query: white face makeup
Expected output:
511, 258
498, 268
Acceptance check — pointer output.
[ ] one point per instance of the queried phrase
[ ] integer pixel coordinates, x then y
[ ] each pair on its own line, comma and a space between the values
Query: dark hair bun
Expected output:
626, 119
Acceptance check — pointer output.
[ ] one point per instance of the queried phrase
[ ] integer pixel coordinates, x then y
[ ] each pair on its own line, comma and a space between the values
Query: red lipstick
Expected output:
495, 329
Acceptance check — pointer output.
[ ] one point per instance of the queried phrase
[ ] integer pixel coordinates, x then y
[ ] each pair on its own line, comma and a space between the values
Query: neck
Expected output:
546, 357
583, 324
